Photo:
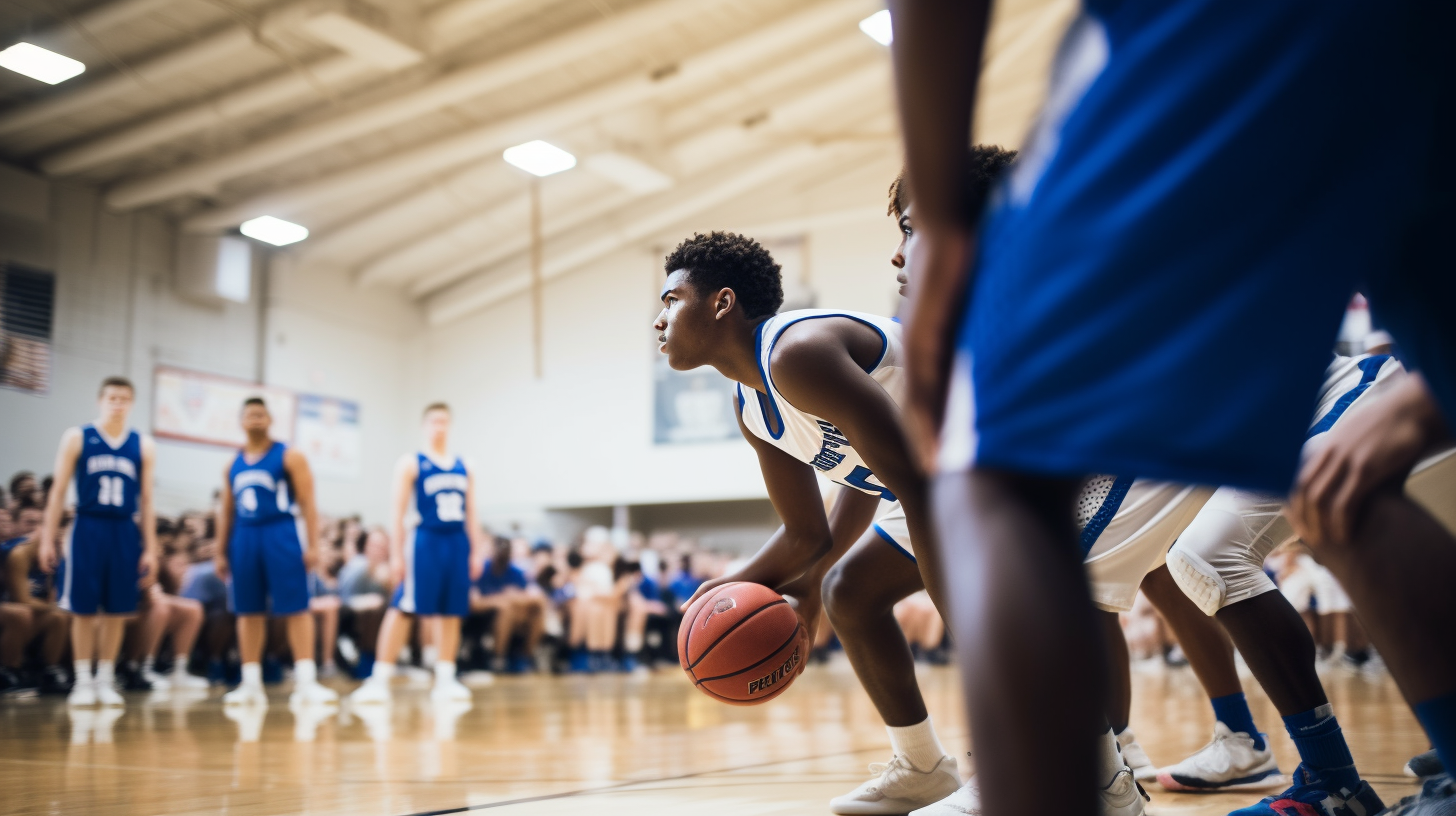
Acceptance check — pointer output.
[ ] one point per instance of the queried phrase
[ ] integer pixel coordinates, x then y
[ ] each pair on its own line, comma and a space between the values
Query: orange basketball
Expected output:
741, 643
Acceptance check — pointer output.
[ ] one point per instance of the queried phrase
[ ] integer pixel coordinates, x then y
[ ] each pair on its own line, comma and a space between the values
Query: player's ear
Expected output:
724, 302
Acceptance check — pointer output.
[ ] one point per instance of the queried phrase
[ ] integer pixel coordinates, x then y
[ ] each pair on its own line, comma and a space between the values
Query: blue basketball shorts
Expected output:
99, 566
1161, 274
268, 575
436, 575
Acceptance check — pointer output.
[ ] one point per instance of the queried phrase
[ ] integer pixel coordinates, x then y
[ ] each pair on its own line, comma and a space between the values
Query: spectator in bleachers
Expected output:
594, 603
7, 521
29, 595
642, 606
324, 603
25, 490
364, 589
201, 583
685, 581
518, 607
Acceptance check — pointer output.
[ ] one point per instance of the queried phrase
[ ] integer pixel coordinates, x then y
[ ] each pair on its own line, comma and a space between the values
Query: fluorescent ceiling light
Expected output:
274, 231
628, 172
877, 26
38, 63
539, 158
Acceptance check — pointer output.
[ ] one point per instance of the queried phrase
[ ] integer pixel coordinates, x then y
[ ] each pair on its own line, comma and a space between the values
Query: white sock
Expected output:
382, 672
917, 743
1109, 758
305, 672
253, 674
632, 643
105, 672
429, 655
179, 665
148, 663
444, 671
83, 671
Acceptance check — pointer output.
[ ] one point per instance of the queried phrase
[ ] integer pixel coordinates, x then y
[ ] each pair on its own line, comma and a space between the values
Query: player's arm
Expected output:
1365, 451
405, 473
65, 470
804, 537
815, 370
937, 59
472, 526
301, 477
224, 527
147, 511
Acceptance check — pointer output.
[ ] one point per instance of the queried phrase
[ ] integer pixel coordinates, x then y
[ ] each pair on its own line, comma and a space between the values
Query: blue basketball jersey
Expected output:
440, 494
108, 478
260, 489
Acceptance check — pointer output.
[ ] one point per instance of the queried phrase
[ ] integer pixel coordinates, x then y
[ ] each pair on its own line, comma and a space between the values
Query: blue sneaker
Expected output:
1437, 798
1310, 796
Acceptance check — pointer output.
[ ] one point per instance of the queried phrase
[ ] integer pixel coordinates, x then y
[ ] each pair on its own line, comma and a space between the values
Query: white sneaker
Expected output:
372, 692
449, 691
898, 787
1143, 769
245, 695
107, 695
160, 682
964, 801
1122, 796
182, 681
312, 694
83, 693
1228, 762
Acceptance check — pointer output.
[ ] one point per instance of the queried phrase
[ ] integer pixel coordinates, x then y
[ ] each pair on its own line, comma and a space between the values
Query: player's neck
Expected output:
737, 357
257, 445
114, 428
439, 453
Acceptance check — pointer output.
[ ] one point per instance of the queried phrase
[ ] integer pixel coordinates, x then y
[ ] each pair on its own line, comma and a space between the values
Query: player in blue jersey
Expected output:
111, 550
1188, 198
434, 566
261, 557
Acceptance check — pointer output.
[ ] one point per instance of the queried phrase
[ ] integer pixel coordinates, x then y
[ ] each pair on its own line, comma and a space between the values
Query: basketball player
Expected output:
260, 556
1219, 563
1126, 526
111, 552
434, 568
1174, 211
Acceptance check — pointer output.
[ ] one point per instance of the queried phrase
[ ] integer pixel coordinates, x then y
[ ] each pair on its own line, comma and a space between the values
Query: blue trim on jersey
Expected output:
889, 539
768, 377
1104, 515
741, 401
1369, 370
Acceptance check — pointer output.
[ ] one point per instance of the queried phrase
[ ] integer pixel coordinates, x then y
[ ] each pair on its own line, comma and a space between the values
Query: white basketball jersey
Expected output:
1351, 380
802, 435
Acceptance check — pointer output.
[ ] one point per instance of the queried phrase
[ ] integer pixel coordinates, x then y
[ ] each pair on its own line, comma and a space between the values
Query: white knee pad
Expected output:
1219, 559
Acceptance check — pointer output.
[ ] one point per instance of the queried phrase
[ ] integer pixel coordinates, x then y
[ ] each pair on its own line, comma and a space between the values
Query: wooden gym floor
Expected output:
543, 745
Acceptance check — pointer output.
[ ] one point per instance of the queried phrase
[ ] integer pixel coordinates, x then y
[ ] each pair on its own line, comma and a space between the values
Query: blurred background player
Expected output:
260, 555
111, 551
434, 567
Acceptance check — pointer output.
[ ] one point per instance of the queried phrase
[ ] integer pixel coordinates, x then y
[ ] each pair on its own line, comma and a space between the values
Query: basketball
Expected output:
741, 643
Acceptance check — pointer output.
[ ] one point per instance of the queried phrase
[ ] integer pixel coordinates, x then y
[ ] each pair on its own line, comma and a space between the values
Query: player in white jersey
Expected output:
434, 566
111, 550
1219, 562
1126, 527
816, 394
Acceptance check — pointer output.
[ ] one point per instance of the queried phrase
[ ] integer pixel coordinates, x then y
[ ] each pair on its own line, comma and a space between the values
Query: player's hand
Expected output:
1364, 452
396, 571
928, 339
705, 588
805, 597
46, 554
147, 569
477, 568
310, 558
220, 564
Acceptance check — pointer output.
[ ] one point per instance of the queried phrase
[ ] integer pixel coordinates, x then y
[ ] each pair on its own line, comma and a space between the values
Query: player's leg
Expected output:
248, 594
1218, 562
394, 631
119, 600
860, 593
80, 576
1015, 577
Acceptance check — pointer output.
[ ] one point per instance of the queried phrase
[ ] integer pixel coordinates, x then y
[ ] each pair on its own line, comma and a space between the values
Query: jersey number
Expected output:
248, 500
860, 478
449, 506
112, 492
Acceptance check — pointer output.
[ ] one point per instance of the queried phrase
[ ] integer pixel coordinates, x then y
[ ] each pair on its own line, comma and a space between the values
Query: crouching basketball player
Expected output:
107, 557
434, 569
260, 556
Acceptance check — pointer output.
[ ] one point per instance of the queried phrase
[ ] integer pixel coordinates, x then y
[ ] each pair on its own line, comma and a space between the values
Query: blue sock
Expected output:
1322, 746
1233, 711
1438, 718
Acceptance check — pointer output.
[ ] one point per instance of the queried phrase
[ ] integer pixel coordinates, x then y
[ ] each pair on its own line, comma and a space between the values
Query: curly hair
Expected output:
727, 260
982, 169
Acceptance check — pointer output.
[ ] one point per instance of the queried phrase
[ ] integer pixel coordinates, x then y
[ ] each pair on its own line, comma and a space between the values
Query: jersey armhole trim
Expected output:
767, 373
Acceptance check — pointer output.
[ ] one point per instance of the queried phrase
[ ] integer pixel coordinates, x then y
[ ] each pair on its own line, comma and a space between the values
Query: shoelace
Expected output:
877, 770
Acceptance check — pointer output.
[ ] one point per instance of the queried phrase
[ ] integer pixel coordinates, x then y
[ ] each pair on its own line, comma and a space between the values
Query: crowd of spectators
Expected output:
602, 602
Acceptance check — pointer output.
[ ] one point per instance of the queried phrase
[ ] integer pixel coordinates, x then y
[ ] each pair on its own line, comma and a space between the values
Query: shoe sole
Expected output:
1276, 780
